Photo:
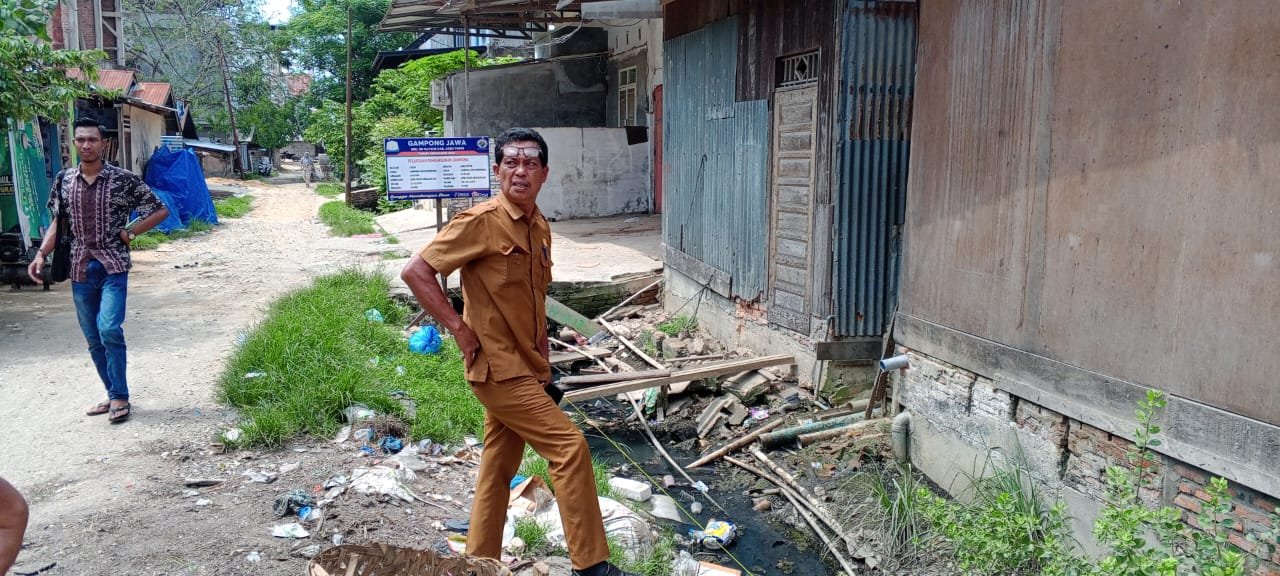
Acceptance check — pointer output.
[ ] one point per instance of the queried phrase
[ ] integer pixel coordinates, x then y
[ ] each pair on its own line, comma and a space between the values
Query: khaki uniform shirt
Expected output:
505, 258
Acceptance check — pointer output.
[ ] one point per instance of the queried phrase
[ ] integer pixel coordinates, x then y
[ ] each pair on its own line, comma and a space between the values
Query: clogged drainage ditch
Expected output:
760, 546
740, 510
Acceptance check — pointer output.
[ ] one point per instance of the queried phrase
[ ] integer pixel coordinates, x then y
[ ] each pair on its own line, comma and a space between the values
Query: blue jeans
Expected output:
100, 305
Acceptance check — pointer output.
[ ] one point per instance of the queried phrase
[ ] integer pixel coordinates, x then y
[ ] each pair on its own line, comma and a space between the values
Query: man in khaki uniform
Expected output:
503, 248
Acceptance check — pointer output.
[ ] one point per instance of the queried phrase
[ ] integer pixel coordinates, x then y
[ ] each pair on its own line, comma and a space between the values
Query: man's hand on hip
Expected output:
468, 343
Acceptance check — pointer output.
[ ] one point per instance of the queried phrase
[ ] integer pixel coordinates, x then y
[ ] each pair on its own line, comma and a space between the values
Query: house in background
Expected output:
1091, 215
785, 147
599, 167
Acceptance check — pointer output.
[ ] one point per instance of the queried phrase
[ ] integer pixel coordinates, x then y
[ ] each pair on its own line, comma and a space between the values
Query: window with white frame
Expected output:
627, 97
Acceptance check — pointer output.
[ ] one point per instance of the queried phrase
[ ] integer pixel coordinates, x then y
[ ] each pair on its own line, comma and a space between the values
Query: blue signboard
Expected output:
437, 168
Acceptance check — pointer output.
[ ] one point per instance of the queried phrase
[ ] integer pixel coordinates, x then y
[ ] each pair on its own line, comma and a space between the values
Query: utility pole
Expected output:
347, 148
231, 112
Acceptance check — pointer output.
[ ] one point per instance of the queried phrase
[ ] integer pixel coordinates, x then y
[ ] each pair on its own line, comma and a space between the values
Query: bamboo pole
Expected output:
790, 483
800, 508
740, 442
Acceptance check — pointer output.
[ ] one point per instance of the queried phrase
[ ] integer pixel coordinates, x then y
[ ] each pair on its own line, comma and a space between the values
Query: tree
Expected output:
33, 76
183, 42
317, 40
271, 123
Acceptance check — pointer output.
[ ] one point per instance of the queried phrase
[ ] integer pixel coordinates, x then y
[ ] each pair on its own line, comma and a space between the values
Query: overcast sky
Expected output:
276, 11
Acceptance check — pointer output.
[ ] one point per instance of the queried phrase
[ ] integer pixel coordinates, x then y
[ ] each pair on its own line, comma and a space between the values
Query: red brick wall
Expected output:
1250, 509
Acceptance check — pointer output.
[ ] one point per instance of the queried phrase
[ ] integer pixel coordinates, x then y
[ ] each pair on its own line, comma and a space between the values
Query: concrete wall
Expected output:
559, 93
1090, 214
962, 423
594, 172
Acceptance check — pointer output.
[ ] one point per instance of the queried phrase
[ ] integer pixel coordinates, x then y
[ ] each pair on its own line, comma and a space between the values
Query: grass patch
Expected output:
656, 563
534, 536
233, 207
344, 220
394, 255
681, 323
391, 239
328, 189
319, 354
154, 238
535, 465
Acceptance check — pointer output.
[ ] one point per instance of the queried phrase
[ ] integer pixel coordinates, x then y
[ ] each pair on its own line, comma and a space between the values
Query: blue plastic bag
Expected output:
425, 341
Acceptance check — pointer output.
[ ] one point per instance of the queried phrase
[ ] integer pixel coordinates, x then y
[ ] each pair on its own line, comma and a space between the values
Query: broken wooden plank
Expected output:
562, 358
608, 378
696, 373
567, 316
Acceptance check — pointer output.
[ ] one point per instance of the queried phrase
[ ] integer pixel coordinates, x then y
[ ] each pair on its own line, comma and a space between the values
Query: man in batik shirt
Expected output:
98, 199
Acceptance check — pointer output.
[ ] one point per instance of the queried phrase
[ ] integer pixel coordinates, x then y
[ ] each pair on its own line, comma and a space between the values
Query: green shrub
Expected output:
344, 220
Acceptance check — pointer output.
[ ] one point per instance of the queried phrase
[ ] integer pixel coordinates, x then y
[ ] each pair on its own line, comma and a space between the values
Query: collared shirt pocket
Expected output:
516, 259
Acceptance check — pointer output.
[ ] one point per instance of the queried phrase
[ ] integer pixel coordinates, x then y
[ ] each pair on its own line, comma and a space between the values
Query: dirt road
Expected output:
110, 499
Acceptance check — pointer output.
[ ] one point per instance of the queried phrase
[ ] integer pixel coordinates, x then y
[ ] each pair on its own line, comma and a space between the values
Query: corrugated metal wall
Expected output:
715, 159
878, 59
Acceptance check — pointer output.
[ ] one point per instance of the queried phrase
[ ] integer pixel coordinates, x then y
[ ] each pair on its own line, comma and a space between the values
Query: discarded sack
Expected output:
382, 480
386, 559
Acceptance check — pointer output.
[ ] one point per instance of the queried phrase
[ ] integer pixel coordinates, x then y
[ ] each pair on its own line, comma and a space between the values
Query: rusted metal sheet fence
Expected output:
715, 160
878, 60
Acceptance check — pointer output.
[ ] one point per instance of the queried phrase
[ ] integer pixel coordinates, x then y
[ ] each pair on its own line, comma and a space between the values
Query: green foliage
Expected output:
317, 43
317, 354
328, 189
1126, 523
233, 207
344, 220
656, 562
326, 126
899, 496
273, 125
192, 43
681, 323
33, 76
535, 465
1006, 529
646, 342
397, 105
534, 536
374, 163
154, 238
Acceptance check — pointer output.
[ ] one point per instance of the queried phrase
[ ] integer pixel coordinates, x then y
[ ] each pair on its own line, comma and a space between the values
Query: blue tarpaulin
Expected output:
178, 180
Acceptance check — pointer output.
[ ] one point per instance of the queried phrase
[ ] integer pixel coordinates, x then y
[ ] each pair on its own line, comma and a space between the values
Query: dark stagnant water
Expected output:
759, 547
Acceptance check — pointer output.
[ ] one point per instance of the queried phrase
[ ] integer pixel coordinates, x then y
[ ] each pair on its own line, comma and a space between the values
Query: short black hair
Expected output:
521, 135
90, 123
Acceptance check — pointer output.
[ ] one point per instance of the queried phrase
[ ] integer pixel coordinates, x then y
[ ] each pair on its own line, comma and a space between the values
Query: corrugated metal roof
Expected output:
207, 145
417, 15
154, 93
113, 80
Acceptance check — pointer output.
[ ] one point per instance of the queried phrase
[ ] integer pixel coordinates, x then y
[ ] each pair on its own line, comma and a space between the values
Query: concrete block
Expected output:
631, 489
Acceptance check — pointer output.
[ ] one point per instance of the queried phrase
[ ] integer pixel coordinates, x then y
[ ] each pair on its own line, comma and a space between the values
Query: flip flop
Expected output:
115, 416
100, 408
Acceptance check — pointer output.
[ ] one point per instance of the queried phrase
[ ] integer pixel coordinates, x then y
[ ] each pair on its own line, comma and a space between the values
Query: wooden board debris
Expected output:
697, 373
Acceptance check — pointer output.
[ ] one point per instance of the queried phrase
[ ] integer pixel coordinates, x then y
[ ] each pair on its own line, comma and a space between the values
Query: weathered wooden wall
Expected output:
1094, 189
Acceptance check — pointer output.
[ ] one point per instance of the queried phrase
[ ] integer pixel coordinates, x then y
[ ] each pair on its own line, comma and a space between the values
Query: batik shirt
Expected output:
98, 212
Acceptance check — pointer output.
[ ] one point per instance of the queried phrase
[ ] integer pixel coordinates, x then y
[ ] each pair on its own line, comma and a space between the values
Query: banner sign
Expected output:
437, 168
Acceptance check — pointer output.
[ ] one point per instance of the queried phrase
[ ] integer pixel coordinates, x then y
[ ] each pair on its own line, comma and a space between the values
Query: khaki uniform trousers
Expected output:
519, 411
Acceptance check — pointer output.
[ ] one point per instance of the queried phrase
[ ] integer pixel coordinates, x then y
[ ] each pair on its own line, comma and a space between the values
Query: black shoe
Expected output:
602, 569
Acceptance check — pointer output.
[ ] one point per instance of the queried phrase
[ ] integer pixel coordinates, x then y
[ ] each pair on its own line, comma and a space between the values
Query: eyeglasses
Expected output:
532, 153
